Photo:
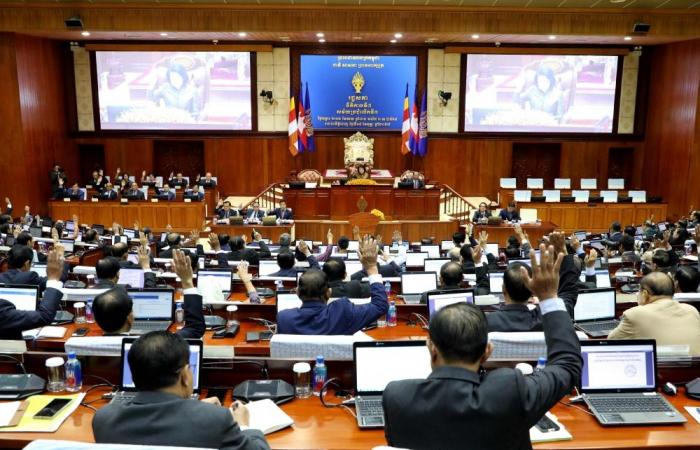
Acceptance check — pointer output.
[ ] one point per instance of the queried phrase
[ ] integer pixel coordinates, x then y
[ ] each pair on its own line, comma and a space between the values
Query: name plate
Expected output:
188, 200
66, 200
88, 186
154, 200
125, 200
95, 199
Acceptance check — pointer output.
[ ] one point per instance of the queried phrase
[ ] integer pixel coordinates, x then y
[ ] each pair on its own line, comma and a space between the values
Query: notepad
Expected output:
562, 434
11, 413
47, 332
267, 417
35, 403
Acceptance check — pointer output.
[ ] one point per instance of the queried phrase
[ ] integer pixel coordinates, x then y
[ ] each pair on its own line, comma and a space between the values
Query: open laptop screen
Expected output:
23, 297
68, 245
352, 266
447, 245
287, 301
434, 264
418, 282
602, 278
415, 259
267, 267
618, 366
127, 382
222, 278
439, 300
595, 305
432, 250
132, 277
496, 282
40, 269
379, 363
152, 304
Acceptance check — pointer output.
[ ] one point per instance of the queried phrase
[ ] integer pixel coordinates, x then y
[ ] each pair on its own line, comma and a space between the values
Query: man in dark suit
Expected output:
451, 277
107, 273
19, 262
108, 193
195, 194
286, 260
456, 406
224, 210
134, 193
255, 215
336, 273
163, 413
98, 181
239, 251
317, 317
13, 321
283, 213
166, 194
415, 178
515, 314
615, 232
179, 181
510, 213
207, 181
113, 309
74, 192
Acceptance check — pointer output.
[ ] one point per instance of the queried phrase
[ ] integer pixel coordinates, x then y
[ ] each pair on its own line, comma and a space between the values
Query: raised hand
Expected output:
243, 273
303, 248
477, 251
575, 243
483, 239
556, 239
545, 274
54, 263
368, 255
590, 258
329, 237
256, 236
183, 268
214, 242
144, 260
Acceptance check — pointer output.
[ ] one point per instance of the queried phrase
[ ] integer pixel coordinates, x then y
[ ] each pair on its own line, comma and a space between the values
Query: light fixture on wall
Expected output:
444, 97
267, 96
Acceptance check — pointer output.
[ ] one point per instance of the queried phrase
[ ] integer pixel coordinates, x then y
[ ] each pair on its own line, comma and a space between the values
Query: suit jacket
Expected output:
170, 195
173, 182
286, 215
247, 254
253, 215
13, 322
198, 197
131, 195
510, 215
16, 276
456, 408
73, 195
150, 420
350, 289
386, 270
223, 214
479, 215
668, 321
316, 317
205, 183
108, 194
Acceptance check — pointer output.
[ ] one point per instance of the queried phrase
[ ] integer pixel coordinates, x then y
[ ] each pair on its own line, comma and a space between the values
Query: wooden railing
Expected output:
269, 198
454, 204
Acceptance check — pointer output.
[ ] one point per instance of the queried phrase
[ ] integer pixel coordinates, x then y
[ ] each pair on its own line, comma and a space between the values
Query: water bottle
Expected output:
391, 315
541, 363
89, 316
387, 288
279, 285
74, 374
179, 316
320, 374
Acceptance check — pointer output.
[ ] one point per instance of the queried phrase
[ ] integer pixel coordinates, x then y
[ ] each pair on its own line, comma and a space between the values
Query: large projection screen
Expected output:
540, 93
174, 90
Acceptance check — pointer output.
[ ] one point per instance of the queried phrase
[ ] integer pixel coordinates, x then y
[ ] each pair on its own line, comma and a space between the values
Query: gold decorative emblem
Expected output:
358, 82
362, 204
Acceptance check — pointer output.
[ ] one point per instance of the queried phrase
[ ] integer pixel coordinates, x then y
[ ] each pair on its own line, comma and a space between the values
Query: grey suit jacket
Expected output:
157, 418
456, 408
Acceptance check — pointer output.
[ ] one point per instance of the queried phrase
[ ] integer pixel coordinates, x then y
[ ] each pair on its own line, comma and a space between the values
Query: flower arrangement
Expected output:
378, 213
360, 182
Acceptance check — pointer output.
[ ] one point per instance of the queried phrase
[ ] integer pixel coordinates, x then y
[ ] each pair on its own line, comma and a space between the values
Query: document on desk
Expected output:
47, 332
267, 417
35, 403
11, 413
562, 434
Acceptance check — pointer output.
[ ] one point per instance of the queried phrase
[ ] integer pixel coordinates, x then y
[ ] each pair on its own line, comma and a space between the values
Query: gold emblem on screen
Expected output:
358, 82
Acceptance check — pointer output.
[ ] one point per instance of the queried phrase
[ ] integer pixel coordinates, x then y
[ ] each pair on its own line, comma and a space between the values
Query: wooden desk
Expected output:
183, 217
501, 233
269, 232
412, 230
339, 202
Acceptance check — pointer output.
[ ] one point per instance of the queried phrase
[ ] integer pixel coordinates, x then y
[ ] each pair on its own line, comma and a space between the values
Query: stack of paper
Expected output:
267, 417
44, 333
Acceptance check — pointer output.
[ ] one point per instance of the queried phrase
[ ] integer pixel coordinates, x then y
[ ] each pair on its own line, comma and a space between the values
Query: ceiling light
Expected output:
393, 41
242, 34
475, 36
398, 35
552, 37
85, 33
628, 38
320, 35
163, 34
321, 40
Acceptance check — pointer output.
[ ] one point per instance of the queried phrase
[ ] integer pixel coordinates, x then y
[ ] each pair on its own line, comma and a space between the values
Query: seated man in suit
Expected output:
415, 178
457, 404
255, 215
107, 272
195, 194
615, 232
316, 316
207, 181
286, 260
113, 309
627, 249
515, 314
179, 181
165, 193
451, 278
239, 251
482, 214
163, 412
148, 179
19, 263
134, 193
108, 193
224, 210
283, 213
510, 213
13, 321
97, 181
336, 273
74, 192
686, 279
660, 317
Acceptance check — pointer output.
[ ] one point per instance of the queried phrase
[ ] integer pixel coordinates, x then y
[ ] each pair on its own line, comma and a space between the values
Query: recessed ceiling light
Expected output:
163, 34
393, 41
320, 35
242, 34
321, 40
628, 38
475, 36
85, 33
398, 35
552, 37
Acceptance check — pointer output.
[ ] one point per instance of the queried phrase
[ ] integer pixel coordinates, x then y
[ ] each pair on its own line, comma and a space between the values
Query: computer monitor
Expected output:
40, 269
220, 277
23, 297
496, 282
68, 245
433, 250
418, 282
415, 259
446, 246
354, 245
267, 267
618, 365
132, 277
152, 304
378, 363
352, 266
131, 234
492, 248
287, 300
595, 304
434, 264
440, 299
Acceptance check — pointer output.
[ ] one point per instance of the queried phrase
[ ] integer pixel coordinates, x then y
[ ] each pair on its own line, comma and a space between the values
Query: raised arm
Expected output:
194, 319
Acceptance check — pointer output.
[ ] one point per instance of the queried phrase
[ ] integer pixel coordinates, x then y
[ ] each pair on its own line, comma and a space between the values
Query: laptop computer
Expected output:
594, 313
433, 250
496, 283
377, 363
287, 300
40, 269
446, 246
413, 284
439, 299
602, 278
415, 259
434, 264
68, 245
221, 277
24, 297
134, 278
153, 309
127, 387
618, 383
267, 267
351, 267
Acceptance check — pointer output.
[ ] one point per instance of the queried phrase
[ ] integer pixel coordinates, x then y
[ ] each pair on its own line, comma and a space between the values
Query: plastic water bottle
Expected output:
391, 315
279, 285
387, 288
541, 363
89, 316
179, 316
320, 374
74, 374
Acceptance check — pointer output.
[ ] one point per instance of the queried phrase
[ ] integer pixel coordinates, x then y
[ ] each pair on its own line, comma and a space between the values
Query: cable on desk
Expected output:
570, 405
17, 360
343, 404
271, 326
420, 319
106, 381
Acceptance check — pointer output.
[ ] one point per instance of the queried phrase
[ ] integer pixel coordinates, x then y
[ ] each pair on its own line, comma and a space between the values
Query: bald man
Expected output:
660, 317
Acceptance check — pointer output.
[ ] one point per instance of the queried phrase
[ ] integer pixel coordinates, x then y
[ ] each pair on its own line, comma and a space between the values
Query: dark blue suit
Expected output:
13, 322
253, 215
108, 195
287, 214
16, 276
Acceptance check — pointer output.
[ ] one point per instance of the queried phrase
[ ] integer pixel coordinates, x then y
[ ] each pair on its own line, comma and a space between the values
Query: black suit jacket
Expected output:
173, 182
205, 183
15, 276
386, 270
350, 289
150, 419
138, 195
456, 408
247, 254
13, 322
108, 195
287, 215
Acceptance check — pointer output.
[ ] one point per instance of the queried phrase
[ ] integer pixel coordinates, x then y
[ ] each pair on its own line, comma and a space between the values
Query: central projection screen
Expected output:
174, 90
540, 93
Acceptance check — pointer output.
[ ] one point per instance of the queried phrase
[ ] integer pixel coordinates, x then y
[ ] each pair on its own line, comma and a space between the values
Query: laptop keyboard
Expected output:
600, 326
629, 404
145, 327
371, 407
